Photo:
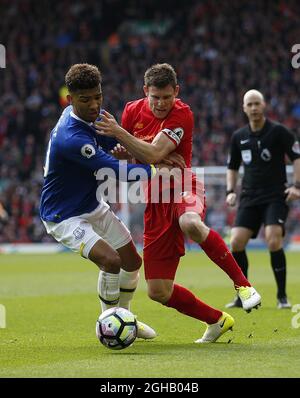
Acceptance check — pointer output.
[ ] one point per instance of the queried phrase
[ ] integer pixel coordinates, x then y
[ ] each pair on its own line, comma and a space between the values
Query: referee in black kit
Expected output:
262, 146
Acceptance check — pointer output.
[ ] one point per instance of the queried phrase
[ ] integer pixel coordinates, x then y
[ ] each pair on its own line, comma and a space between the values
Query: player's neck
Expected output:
75, 116
257, 125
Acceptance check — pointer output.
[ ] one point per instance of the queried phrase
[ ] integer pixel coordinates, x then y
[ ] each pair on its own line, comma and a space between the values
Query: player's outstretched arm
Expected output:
143, 151
83, 150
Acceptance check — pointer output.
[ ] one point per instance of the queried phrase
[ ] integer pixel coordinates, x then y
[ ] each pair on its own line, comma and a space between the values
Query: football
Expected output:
116, 328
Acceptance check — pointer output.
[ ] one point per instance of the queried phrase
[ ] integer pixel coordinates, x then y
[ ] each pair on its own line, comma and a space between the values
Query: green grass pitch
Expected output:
52, 306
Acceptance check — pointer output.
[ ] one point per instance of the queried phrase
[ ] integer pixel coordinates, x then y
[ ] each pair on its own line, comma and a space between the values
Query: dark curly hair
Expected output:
82, 76
160, 76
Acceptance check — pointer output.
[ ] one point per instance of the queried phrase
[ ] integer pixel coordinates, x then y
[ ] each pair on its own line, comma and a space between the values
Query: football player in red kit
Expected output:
152, 128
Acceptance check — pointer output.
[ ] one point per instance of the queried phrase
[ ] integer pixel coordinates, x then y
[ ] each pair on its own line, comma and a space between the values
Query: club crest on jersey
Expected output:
247, 156
296, 148
88, 151
78, 233
175, 134
138, 125
266, 155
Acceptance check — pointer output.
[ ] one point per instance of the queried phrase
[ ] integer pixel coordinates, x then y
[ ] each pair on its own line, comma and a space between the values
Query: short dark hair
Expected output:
160, 76
82, 76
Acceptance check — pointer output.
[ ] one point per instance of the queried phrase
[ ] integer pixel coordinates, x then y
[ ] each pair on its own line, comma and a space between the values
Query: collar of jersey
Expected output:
258, 133
81, 120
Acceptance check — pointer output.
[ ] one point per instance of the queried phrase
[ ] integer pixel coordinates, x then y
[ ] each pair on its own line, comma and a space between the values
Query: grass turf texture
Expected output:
52, 306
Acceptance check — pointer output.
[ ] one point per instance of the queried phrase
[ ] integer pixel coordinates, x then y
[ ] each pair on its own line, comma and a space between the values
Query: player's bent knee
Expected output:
112, 263
133, 263
193, 227
138, 262
109, 263
237, 245
131, 260
160, 296
274, 244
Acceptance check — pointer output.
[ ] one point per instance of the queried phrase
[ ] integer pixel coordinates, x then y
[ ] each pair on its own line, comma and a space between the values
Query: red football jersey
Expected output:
139, 120
162, 235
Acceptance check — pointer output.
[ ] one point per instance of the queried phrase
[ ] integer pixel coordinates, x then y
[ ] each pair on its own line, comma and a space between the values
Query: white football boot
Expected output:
214, 331
144, 331
249, 297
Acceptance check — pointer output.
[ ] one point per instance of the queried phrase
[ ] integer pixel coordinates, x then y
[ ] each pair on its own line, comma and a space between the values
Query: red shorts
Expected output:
163, 238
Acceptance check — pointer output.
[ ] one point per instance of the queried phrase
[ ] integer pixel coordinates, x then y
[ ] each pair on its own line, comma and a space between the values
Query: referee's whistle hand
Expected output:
231, 199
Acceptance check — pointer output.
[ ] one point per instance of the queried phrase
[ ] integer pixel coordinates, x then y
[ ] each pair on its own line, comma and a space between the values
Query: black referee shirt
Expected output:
263, 156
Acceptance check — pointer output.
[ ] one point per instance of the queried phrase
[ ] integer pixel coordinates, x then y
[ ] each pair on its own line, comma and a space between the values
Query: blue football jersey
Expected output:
75, 153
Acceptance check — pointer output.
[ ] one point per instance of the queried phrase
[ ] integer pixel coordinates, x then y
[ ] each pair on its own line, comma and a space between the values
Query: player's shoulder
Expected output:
71, 130
62, 127
182, 107
278, 127
181, 112
135, 105
241, 132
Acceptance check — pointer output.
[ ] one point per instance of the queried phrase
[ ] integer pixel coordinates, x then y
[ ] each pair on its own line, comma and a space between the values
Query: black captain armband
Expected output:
297, 184
229, 191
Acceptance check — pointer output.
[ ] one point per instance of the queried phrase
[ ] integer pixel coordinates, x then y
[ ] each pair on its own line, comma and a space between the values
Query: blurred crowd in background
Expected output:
219, 49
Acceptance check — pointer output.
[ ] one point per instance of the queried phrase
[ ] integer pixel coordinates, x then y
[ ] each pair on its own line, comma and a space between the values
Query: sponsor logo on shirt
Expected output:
147, 138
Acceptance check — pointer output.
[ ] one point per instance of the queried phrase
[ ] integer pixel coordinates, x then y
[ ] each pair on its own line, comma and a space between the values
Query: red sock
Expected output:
187, 303
218, 252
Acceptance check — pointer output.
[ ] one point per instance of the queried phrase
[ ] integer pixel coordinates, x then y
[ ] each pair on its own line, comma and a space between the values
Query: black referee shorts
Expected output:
268, 214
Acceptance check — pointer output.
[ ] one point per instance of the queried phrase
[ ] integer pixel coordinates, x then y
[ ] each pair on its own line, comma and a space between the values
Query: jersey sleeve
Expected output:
179, 126
82, 150
234, 156
290, 143
107, 143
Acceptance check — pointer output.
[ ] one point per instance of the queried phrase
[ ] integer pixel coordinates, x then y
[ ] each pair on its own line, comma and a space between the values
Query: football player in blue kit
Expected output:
69, 208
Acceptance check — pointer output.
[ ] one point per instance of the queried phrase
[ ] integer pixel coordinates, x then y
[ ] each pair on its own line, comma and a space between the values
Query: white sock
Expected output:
128, 284
108, 289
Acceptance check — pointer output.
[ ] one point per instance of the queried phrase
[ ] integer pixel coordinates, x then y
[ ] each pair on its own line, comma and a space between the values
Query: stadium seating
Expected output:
198, 38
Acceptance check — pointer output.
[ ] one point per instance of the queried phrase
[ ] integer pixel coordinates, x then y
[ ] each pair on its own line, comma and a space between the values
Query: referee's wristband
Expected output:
153, 170
229, 191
